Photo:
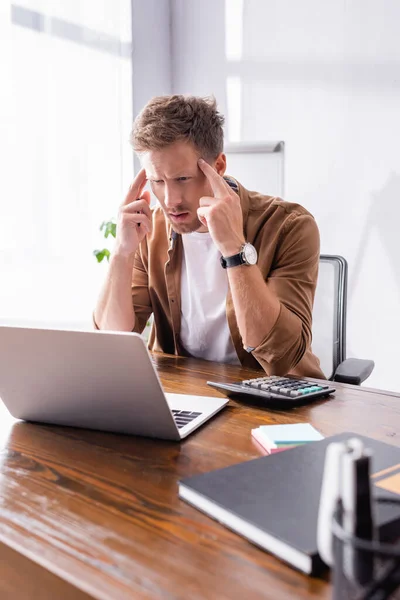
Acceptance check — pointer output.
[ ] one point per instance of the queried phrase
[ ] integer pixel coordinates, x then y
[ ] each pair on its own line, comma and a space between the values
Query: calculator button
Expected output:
285, 387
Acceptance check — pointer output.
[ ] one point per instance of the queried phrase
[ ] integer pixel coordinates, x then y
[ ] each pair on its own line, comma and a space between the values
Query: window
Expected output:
66, 110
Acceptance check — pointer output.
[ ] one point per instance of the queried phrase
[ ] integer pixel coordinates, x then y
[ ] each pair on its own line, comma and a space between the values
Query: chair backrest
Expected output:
329, 314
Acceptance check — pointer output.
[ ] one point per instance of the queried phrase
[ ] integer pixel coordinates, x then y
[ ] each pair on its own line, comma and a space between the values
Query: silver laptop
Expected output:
94, 379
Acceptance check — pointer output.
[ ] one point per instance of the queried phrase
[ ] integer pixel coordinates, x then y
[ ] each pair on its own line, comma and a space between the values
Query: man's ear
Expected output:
220, 164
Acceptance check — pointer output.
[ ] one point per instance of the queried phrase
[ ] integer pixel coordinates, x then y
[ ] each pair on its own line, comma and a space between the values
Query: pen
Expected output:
357, 511
138, 212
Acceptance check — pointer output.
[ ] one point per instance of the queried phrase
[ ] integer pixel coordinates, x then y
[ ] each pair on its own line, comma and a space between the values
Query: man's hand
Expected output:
221, 213
134, 217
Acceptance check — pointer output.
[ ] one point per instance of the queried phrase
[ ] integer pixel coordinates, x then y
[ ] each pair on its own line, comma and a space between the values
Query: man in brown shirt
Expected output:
228, 274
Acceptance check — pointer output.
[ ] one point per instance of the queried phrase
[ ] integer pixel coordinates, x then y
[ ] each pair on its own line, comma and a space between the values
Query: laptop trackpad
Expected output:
192, 402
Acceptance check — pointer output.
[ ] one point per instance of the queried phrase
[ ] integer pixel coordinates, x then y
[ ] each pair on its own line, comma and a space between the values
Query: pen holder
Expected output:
365, 569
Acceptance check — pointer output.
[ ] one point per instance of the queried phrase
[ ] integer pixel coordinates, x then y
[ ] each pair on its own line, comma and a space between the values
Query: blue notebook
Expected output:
292, 433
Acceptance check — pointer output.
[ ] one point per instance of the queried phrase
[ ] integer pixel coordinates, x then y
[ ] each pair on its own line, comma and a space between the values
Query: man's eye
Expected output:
157, 181
183, 178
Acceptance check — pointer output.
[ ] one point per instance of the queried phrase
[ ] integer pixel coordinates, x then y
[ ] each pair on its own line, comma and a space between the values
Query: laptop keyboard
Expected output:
183, 417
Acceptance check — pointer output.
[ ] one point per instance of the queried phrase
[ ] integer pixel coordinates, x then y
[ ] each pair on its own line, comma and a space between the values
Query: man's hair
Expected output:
168, 119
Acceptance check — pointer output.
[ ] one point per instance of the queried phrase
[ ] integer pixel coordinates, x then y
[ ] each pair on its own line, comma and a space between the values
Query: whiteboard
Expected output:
258, 167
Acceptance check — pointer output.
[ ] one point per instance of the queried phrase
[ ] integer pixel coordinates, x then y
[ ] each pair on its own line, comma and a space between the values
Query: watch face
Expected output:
250, 254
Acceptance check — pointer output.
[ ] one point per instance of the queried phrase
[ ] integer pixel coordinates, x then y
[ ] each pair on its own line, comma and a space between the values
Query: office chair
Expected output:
329, 324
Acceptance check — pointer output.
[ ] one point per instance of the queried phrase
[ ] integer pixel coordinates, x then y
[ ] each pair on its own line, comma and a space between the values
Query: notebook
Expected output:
273, 501
275, 438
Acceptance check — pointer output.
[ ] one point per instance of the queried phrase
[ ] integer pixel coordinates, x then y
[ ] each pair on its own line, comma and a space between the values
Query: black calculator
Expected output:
275, 391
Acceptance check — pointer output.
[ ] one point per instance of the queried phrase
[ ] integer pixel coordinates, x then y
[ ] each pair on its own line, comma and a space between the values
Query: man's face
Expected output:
178, 183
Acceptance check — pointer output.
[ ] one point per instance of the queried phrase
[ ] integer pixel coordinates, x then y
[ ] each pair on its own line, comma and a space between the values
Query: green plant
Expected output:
108, 228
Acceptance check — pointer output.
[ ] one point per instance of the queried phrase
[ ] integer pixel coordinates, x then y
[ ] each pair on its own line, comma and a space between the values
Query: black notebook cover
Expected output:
274, 500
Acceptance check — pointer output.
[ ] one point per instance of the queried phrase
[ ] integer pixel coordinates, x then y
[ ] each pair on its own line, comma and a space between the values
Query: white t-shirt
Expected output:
204, 286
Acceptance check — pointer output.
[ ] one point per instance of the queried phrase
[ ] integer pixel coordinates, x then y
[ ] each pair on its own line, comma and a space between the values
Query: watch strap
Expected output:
232, 261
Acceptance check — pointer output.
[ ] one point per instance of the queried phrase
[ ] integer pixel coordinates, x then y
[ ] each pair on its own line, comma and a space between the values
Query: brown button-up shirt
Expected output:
287, 241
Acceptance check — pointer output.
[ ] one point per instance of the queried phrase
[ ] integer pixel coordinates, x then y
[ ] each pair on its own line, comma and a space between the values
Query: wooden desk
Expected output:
100, 512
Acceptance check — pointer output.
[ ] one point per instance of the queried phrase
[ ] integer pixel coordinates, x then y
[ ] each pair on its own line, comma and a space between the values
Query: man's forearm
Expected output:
114, 309
256, 307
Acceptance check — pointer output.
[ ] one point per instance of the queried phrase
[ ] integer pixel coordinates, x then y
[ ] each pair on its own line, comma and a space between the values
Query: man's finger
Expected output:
146, 196
208, 201
136, 187
202, 214
137, 219
136, 206
218, 183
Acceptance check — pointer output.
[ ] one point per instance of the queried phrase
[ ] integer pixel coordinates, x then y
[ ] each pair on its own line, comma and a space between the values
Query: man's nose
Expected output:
172, 199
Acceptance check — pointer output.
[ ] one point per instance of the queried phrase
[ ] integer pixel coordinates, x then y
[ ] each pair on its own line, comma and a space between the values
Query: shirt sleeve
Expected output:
293, 280
140, 293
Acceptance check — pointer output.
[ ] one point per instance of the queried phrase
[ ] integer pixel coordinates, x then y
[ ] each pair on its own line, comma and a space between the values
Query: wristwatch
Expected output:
246, 256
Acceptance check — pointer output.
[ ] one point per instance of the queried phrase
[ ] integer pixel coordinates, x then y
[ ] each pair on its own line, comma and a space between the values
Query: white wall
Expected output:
325, 78
151, 52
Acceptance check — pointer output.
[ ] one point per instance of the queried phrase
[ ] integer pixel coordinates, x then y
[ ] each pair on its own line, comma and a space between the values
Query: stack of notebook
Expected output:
273, 501
275, 438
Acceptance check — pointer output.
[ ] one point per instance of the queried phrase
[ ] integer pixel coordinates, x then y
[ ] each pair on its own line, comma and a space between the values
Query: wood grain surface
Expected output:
99, 512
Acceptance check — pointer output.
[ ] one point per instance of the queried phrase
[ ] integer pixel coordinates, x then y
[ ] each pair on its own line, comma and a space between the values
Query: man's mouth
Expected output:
178, 216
